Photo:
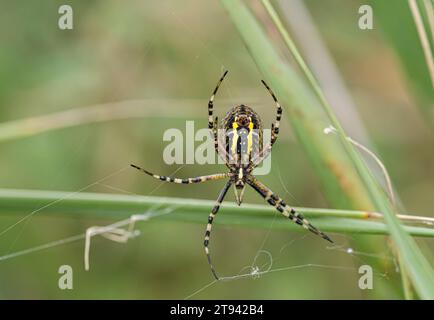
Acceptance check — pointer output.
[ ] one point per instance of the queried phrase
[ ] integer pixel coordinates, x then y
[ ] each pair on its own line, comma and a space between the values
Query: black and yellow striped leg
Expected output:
258, 158
277, 202
209, 225
266, 150
218, 145
216, 135
275, 126
216, 176
213, 124
211, 103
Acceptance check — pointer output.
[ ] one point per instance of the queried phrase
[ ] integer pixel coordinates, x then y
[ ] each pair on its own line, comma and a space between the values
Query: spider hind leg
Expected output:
211, 217
283, 208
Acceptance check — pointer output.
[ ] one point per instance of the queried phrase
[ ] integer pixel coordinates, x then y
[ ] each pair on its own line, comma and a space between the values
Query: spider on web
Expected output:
242, 150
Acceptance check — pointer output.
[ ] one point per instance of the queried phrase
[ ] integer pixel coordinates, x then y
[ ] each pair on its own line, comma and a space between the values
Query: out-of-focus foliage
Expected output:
408, 49
170, 51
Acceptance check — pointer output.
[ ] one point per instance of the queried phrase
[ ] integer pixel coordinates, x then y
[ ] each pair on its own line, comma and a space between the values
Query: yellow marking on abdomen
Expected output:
250, 139
234, 138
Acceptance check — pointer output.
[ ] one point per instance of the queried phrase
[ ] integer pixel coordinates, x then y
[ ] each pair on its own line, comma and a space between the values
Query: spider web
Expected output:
255, 270
112, 232
263, 262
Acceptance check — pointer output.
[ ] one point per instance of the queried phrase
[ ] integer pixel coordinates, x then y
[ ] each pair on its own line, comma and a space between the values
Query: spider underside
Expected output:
241, 148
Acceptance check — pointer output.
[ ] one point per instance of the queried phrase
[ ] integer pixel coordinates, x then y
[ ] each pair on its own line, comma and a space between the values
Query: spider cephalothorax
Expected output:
238, 140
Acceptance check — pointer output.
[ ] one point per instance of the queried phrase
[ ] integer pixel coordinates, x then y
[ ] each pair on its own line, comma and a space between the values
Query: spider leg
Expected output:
218, 145
209, 225
213, 124
199, 179
211, 103
259, 157
215, 134
276, 124
277, 202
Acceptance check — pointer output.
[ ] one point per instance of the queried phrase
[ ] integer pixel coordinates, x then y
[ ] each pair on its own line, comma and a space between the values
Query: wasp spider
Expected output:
242, 151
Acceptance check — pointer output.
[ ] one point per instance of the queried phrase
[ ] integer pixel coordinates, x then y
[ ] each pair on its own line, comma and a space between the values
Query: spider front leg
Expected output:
209, 225
266, 150
211, 103
199, 179
277, 202
259, 157
218, 146
275, 126
213, 124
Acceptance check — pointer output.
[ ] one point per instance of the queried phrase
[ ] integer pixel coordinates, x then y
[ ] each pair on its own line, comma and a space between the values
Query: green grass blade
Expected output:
127, 109
303, 110
408, 49
281, 77
115, 206
421, 271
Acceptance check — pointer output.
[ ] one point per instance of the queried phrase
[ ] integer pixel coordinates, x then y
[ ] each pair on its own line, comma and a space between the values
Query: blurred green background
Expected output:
166, 57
